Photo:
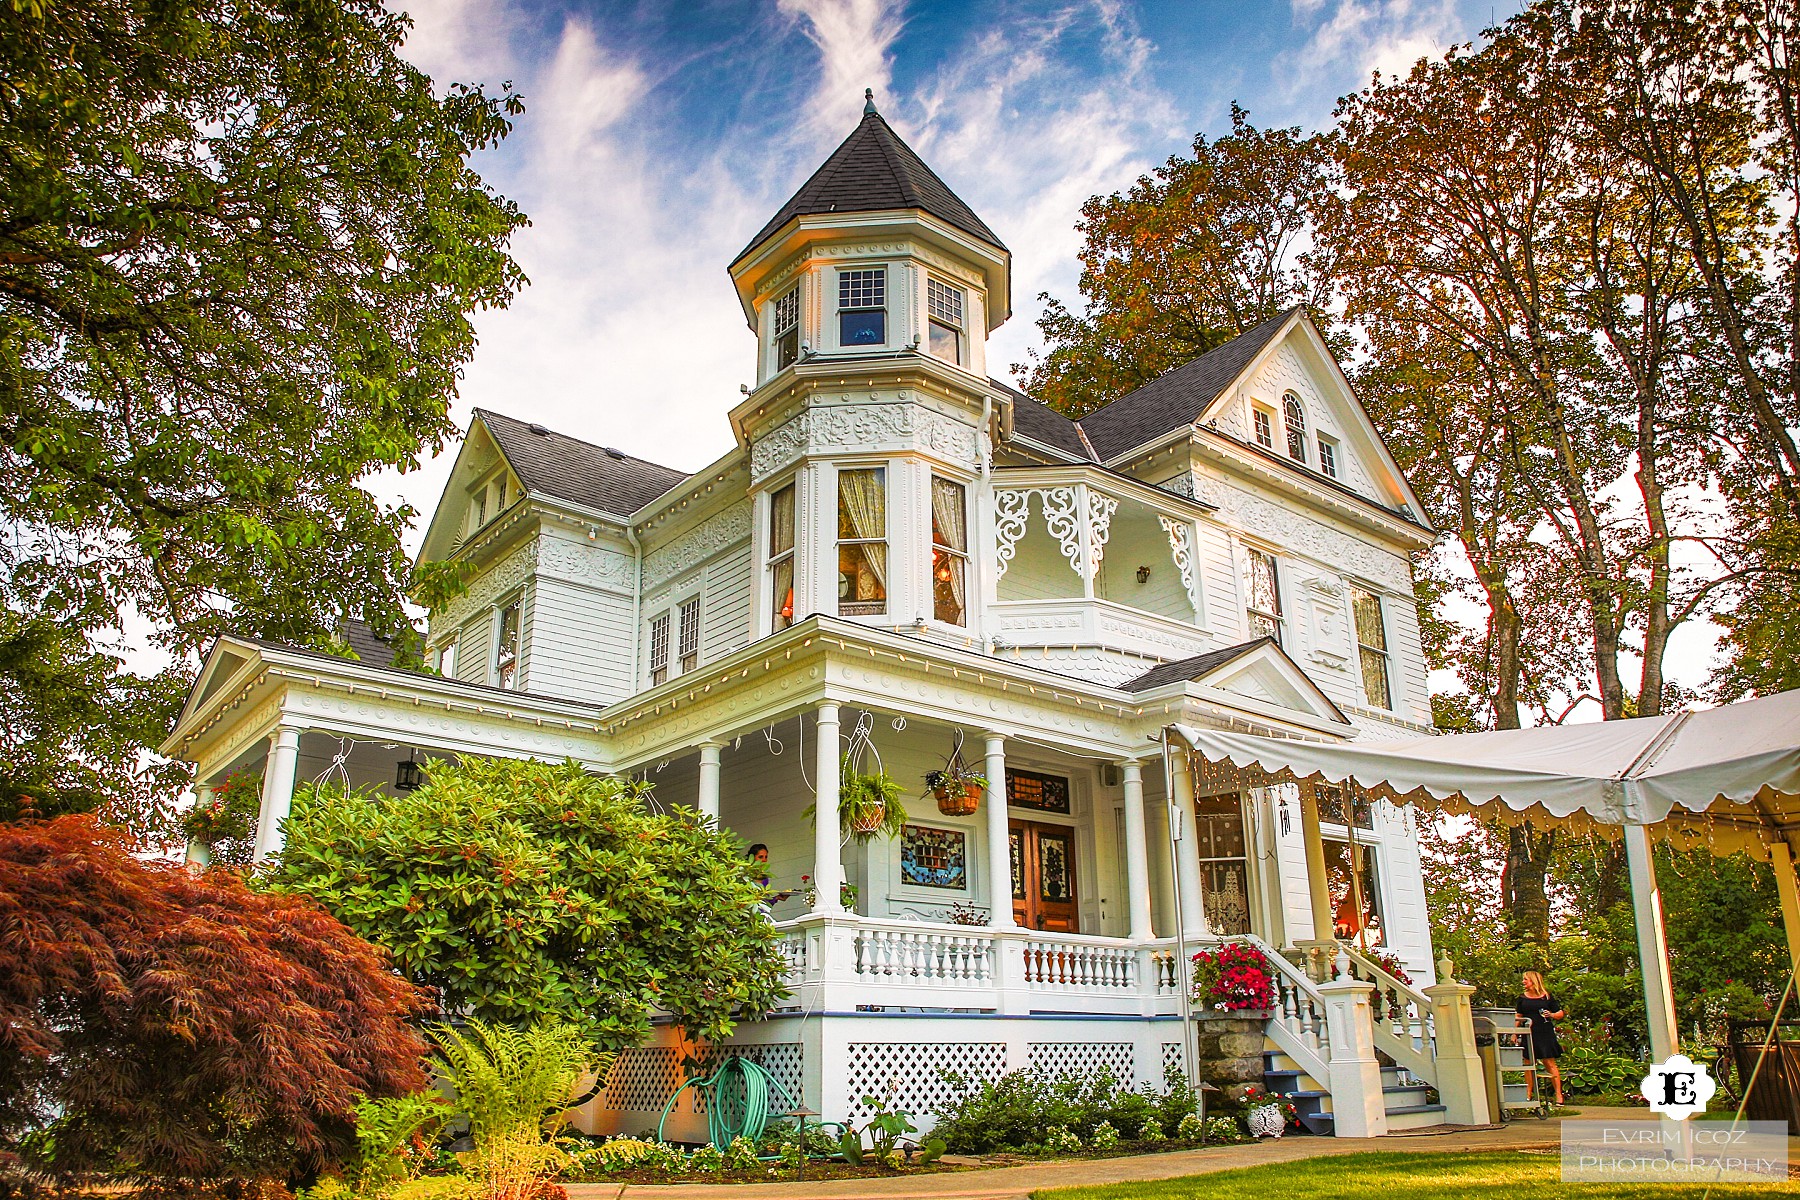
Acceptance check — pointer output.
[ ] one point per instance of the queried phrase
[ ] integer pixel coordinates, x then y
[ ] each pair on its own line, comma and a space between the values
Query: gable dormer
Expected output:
874, 254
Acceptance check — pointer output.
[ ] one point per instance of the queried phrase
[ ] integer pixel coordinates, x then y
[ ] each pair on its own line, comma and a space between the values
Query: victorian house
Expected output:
901, 556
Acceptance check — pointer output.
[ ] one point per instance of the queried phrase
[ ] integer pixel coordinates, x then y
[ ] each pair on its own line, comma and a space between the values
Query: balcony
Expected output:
1078, 622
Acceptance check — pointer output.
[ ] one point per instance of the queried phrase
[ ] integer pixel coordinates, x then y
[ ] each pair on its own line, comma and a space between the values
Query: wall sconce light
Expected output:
406, 774
1143, 574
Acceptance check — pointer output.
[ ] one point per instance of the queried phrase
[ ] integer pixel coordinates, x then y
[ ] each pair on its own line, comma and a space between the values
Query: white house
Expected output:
899, 544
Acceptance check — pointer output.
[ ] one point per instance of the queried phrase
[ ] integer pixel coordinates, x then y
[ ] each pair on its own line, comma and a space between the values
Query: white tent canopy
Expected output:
1728, 774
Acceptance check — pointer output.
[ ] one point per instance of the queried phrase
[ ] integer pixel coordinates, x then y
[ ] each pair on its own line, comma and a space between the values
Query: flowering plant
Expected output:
1256, 1097
1235, 977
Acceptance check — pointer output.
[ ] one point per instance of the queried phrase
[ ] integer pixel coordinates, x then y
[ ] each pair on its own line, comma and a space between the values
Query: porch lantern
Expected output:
407, 777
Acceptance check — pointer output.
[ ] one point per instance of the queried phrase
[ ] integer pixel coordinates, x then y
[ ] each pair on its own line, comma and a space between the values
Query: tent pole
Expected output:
1178, 833
1653, 945
1781, 860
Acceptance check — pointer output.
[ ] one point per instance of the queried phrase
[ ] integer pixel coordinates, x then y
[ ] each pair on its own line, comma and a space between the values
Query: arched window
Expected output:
1295, 413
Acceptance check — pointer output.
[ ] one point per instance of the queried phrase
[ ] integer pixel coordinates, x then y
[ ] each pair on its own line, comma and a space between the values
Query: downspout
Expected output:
637, 604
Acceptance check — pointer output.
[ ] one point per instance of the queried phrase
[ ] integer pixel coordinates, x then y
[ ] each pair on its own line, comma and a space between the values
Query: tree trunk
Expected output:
1525, 892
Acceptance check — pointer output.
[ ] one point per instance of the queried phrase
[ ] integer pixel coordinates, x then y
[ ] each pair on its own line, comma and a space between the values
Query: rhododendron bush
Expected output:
1235, 977
164, 1026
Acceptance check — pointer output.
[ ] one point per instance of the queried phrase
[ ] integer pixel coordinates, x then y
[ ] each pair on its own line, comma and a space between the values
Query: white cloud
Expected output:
854, 38
1386, 36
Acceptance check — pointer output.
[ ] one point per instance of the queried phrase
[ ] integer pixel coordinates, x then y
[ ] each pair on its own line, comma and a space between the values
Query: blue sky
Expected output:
659, 136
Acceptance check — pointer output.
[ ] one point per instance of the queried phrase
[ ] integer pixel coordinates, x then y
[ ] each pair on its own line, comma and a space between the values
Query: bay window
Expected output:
944, 308
785, 331
862, 307
781, 559
862, 542
949, 551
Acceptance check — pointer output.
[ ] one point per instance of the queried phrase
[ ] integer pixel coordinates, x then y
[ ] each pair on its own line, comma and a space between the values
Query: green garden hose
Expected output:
737, 1101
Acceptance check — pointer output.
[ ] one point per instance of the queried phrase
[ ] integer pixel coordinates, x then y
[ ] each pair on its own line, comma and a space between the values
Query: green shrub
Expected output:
1191, 1128
1105, 1136
1591, 1072
1059, 1140
1012, 1112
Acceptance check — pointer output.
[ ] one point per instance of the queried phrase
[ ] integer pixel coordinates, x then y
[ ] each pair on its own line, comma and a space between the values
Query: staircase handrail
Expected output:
1402, 1015
1298, 1026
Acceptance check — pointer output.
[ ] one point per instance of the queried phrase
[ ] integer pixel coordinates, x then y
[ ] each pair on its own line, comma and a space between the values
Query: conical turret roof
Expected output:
873, 171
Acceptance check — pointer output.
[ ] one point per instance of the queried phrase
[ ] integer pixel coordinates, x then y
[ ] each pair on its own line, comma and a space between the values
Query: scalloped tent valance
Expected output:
1733, 768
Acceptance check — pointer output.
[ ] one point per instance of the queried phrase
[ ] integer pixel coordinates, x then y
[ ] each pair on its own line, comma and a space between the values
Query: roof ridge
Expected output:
902, 176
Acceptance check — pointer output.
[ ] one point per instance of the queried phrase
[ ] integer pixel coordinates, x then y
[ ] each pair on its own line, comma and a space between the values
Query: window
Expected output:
1264, 421
1295, 414
1328, 456
944, 306
1224, 872
690, 635
499, 495
949, 551
862, 542
659, 649
1355, 886
506, 651
787, 329
862, 307
480, 510
1263, 607
1371, 644
781, 559
1330, 796
446, 659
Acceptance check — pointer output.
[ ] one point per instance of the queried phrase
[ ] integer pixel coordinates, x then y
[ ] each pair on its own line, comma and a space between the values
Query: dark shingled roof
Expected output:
555, 464
1042, 424
873, 171
1176, 397
363, 642
1191, 668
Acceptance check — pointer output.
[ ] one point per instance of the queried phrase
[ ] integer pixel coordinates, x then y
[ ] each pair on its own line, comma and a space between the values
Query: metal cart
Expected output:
1513, 1085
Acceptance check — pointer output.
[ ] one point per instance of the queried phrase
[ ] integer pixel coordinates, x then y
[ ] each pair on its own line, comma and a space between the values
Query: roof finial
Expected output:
868, 102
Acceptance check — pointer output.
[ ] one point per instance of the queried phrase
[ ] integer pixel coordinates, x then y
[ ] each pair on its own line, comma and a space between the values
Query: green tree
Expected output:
1187, 259
240, 241
522, 890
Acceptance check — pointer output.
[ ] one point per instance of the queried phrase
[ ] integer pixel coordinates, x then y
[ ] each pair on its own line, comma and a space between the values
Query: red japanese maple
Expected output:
187, 1028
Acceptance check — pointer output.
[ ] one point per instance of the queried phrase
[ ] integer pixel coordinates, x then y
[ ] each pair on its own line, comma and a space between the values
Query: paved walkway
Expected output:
1017, 1183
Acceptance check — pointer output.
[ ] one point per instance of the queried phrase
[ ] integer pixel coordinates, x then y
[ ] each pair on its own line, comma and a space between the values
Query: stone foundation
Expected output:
1230, 1049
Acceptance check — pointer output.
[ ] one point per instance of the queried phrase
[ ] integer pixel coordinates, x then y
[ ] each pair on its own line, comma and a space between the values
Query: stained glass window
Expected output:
1054, 869
1046, 793
936, 858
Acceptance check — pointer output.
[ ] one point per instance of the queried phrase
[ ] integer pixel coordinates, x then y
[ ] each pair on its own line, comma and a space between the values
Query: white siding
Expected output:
475, 649
725, 607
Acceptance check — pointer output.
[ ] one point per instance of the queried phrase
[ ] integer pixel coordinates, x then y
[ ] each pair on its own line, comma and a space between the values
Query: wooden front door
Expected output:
1043, 876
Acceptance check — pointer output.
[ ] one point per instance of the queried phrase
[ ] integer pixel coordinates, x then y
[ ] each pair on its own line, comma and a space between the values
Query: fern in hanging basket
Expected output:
956, 788
869, 805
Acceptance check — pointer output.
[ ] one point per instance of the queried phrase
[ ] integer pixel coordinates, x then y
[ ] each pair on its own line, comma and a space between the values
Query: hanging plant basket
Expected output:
956, 788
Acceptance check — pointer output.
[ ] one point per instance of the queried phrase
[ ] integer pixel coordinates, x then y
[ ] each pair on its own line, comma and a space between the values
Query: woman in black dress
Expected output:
1539, 1007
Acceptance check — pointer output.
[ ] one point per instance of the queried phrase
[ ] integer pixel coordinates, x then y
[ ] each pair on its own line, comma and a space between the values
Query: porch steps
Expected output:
1406, 1103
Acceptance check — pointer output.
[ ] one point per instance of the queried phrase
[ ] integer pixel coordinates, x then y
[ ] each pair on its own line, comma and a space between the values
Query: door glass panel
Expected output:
1224, 894
1355, 892
1053, 867
1016, 850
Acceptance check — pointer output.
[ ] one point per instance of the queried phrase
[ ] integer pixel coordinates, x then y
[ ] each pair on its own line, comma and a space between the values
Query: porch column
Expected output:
1137, 853
1187, 857
828, 869
277, 790
1318, 883
1781, 861
1653, 945
199, 855
708, 800
999, 837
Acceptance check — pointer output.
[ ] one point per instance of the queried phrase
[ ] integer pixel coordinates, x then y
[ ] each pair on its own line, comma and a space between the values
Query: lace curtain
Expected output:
950, 529
862, 513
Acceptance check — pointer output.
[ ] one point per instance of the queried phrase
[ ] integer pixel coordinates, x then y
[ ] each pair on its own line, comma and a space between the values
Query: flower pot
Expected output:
958, 802
1267, 1120
867, 819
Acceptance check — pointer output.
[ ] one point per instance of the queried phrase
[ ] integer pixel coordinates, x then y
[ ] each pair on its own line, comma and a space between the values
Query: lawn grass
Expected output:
1486, 1175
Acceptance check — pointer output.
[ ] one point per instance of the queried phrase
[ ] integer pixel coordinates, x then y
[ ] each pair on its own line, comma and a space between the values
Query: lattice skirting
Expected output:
644, 1077
914, 1073
1174, 1062
1084, 1060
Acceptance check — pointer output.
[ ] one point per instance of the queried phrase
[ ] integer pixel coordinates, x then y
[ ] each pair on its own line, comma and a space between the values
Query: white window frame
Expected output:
778, 330
687, 638
844, 275
951, 318
772, 560
1328, 456
659, 648
885, 540
498, 664
1279, 617
1295, 431
1262, 426
446, 656
1385, 651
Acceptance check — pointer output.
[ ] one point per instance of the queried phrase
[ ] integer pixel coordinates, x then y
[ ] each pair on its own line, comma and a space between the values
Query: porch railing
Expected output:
1402, 1016
863, 962
1298, 1025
